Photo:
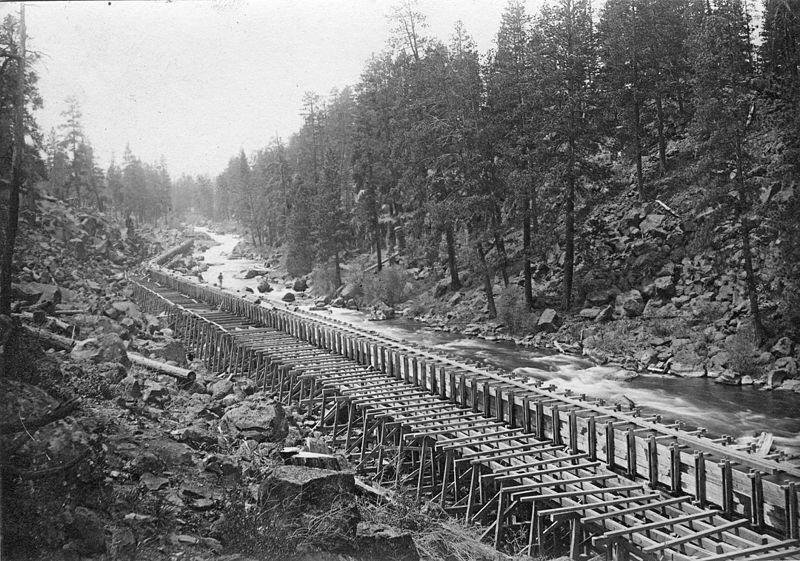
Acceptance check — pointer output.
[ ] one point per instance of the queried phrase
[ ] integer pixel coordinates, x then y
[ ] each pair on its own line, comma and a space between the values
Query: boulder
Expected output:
106, 348
651, 222
785, 368
381, 541
288, 297
791, 385
300, 285
382, 311
728, 378
253, 273
310, 487
549, 321
264, 286
220, 389
590, 313
664, 287
601, 297
266, 423
783, 347
629, 304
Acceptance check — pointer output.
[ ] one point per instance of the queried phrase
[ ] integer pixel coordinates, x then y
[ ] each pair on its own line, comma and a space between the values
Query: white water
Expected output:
736, 411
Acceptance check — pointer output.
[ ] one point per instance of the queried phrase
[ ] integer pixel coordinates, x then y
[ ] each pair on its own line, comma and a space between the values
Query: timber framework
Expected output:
526, 463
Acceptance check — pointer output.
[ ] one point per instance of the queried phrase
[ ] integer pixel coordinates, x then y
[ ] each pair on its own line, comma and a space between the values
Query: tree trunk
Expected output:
662, 142
637, 109
455, 284
569, 243
487, 281
16, 178
376, 224
752, 293
337, 270
526, 249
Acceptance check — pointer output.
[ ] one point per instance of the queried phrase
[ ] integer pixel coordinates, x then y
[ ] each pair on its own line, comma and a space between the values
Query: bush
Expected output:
512, 310
742, 351
323, 280
392, 286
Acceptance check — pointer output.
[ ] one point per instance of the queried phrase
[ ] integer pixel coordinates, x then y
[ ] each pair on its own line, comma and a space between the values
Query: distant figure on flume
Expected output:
219, 278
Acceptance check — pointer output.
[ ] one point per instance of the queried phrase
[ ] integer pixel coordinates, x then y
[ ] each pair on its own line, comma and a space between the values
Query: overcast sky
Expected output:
197, 81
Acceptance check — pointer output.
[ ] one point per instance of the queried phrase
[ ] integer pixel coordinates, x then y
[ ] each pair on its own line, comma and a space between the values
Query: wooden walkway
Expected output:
526, 462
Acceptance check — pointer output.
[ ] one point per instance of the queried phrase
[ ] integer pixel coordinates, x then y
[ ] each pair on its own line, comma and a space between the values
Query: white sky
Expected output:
197, 81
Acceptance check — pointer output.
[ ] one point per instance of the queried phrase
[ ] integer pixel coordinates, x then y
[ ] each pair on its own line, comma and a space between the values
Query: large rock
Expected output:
266, 423
253, 273
785, 368
300, 285
441, 288
288, 297
381, 541
106, 348
651, 222
264, 286
309, 487
382, 311
630, 304
220, 389
664, 287
601, 297
783, 347
549, 321
351, 290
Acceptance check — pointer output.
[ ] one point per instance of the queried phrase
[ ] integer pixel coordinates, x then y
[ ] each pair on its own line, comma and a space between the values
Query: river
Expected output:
741, 412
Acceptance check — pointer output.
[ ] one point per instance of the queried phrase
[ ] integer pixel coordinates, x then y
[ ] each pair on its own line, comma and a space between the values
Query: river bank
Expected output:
739, 411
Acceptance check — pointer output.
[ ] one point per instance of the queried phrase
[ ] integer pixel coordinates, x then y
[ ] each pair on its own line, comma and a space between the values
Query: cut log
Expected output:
388, 259
668, 209
182, 374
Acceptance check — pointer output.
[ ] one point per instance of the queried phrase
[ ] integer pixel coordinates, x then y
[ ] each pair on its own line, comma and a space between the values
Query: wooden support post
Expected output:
486, 400
592, 436
573, 431
610, 451
500, 519
400, 451
448, 461
652, 461
498, 405
576, 533
526, 415
442, 383
756, 500
630, 438
474, 386
462, 387
421, 473
790, 511
512, 409
675, 469
727, 487
556, 424
474, 481
700, 479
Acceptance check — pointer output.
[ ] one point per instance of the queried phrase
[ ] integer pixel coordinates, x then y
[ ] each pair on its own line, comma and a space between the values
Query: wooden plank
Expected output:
741, 554
696, 535
631, 510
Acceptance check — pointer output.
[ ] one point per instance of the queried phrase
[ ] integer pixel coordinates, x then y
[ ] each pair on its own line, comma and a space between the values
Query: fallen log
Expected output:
182, 374
50, 339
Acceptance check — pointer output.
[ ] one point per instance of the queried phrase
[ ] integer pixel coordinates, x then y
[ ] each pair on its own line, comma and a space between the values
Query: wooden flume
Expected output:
517, 457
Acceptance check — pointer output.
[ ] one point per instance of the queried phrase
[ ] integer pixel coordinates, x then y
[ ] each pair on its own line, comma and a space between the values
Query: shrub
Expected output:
742, 350
512, 310
323, 280
392, 286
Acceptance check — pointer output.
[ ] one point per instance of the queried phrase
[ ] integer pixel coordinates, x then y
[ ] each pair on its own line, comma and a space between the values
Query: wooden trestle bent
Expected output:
499, 450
